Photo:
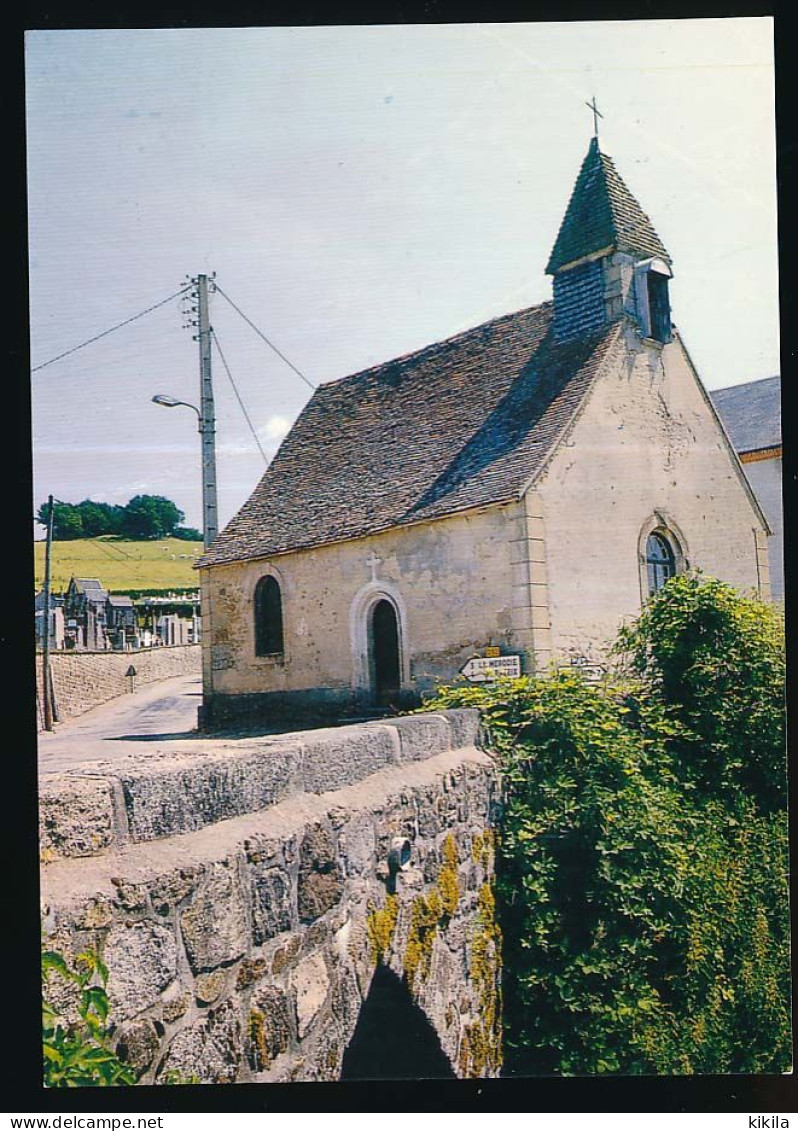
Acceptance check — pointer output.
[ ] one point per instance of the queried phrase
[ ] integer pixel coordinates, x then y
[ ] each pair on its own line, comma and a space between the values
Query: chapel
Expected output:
517, 490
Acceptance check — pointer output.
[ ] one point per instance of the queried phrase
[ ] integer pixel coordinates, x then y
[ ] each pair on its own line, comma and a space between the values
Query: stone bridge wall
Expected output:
242, 892
83, 680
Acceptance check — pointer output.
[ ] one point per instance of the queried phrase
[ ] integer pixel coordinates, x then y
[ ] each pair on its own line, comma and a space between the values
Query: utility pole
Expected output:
207, 422
46, 693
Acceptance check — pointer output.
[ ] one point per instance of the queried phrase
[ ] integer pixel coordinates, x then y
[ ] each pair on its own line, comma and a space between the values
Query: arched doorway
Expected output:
385, 662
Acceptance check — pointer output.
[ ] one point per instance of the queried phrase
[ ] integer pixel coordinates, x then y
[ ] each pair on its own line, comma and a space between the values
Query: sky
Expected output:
360, 192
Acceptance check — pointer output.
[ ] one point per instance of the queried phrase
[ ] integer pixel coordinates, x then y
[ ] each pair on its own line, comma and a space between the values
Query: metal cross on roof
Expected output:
596, 115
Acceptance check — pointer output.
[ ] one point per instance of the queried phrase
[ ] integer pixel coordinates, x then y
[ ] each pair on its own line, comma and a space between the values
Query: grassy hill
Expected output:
122, 565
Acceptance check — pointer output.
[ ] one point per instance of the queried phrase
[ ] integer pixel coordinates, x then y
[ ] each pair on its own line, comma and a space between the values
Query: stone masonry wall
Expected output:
83, 680
242, 951
450, 579
646, 444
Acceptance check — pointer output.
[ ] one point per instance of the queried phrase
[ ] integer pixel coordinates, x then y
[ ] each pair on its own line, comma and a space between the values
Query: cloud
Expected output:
274, 428
270, 434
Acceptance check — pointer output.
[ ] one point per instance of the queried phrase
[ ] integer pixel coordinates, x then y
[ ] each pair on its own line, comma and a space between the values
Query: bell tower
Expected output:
608, 262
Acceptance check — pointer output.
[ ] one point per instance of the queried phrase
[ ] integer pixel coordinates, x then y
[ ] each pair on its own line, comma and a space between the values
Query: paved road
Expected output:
161, 712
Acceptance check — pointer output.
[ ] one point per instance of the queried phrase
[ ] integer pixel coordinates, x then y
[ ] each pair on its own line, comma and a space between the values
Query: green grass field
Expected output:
120, 565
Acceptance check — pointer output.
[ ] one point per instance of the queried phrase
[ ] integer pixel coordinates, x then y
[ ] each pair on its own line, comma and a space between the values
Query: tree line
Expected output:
144, 517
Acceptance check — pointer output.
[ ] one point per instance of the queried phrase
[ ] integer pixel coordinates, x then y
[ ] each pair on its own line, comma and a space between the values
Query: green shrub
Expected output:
716, 662
78, 1054
643, 851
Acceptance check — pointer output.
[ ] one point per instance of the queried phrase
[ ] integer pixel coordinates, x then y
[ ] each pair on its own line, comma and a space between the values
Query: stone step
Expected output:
188, 785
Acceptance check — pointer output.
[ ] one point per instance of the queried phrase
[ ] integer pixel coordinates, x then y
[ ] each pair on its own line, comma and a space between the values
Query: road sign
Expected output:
131, 671
485, 669
589, 669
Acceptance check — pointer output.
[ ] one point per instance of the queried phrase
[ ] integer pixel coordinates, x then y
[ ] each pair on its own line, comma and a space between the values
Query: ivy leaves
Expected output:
643, 847
77, 1054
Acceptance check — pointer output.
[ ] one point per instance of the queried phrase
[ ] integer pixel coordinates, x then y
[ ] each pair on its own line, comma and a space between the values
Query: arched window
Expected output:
660, 561
268, 617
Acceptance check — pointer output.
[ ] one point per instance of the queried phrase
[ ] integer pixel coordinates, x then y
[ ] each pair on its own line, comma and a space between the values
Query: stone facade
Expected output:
452, 581
549, 577
83, 680
645, 450
501, 489
243, 951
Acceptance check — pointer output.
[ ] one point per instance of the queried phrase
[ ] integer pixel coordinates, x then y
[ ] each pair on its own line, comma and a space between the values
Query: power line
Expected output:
238, 397
105, 333
260, 333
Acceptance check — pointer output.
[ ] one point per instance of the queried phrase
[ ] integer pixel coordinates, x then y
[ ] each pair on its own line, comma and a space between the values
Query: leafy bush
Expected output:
643, 855
78, 1054
716, 660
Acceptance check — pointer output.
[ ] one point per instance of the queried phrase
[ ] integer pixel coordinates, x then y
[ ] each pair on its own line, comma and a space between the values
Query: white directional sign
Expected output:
484, 669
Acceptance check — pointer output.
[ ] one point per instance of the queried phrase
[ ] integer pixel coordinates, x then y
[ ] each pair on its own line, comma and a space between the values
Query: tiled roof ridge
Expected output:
472, 457
423, 351
627, 203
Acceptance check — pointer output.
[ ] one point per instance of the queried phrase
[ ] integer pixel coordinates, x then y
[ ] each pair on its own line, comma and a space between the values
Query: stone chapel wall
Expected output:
455, 580
645, 443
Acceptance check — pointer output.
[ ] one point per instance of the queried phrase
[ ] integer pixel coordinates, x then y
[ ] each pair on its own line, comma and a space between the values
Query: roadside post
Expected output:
46, 693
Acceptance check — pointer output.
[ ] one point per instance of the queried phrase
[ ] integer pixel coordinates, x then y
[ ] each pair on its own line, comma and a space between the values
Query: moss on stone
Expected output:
464, 1056
380, 925
482, 1038
332, 1057
259, 1052
424, 922
448, 882
451, 857
430, 912
487, 847
449, 888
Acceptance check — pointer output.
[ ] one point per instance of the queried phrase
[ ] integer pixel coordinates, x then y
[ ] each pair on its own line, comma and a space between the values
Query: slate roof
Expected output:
463, 423
120, 602
83, 584
602, 213
56, 602
90, 588
751, 413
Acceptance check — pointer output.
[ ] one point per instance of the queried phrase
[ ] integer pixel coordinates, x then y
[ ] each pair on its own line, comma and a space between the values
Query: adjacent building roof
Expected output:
82, 584
464, 423
55, 601
751, 413
90, 587
121, 601
602, 213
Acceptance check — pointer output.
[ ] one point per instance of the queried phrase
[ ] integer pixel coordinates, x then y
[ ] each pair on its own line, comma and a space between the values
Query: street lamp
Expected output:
209, 519
170, 402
